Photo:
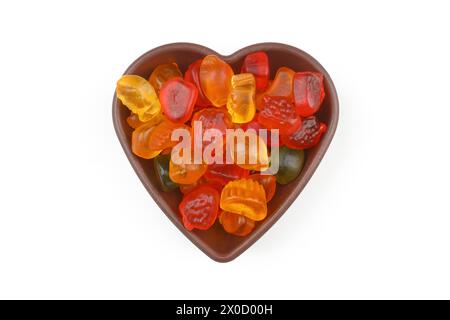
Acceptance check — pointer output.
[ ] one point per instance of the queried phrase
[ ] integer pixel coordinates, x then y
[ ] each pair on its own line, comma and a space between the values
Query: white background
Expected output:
75, 222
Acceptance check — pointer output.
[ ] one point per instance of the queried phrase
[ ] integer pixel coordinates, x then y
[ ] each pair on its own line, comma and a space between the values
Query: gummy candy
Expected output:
192, 75
224, 173
199, 208
178, 97
215, 79
211, 96
241, 101
307, 136
186, 188
269, 183
308, 92
236, 224
134, 122
246, 197
282, 84
279, 113
213, 118
138, 95
160, 138
139, 142
162, 73
255, 125
257, 63
186, 173
248, 151
291, 164
161, 167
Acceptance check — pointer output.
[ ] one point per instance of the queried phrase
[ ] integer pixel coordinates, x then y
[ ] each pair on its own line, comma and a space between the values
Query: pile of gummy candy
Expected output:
234, 194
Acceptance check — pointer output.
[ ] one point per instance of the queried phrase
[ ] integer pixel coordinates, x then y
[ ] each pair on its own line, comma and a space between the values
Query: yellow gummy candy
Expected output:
245, 197
138, 95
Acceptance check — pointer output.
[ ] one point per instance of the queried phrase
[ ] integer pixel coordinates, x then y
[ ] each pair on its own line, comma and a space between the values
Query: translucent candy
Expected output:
139, 142
161, 167
215, 79
236, 224
248, 150
162, 73
268, 182
282, 84
257, 63
160, 138
241, 101
309, 92
186, 173
138, 95
199, 208
245, 197
178, 97
134, 122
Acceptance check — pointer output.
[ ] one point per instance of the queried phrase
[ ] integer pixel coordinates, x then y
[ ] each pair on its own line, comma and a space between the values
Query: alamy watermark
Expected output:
247, 148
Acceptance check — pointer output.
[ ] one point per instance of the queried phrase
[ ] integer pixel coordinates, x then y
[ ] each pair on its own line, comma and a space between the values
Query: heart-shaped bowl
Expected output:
215, 242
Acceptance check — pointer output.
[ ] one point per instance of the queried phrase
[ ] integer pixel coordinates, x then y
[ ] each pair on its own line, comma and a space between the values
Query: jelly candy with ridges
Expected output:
246, 197
163, 73
177, 97
161, 167
215, 79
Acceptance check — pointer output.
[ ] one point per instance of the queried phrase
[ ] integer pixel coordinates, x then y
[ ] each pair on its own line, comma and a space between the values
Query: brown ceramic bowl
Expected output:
215, 242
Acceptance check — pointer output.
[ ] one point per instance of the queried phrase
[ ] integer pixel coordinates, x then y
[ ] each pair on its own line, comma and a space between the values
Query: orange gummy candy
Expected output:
282, 84
248, 150
269, 183
246, 197
162, 73
139, 142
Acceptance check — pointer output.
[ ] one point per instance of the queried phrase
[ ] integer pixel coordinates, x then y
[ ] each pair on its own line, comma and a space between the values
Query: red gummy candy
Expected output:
199, 208
177, 98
